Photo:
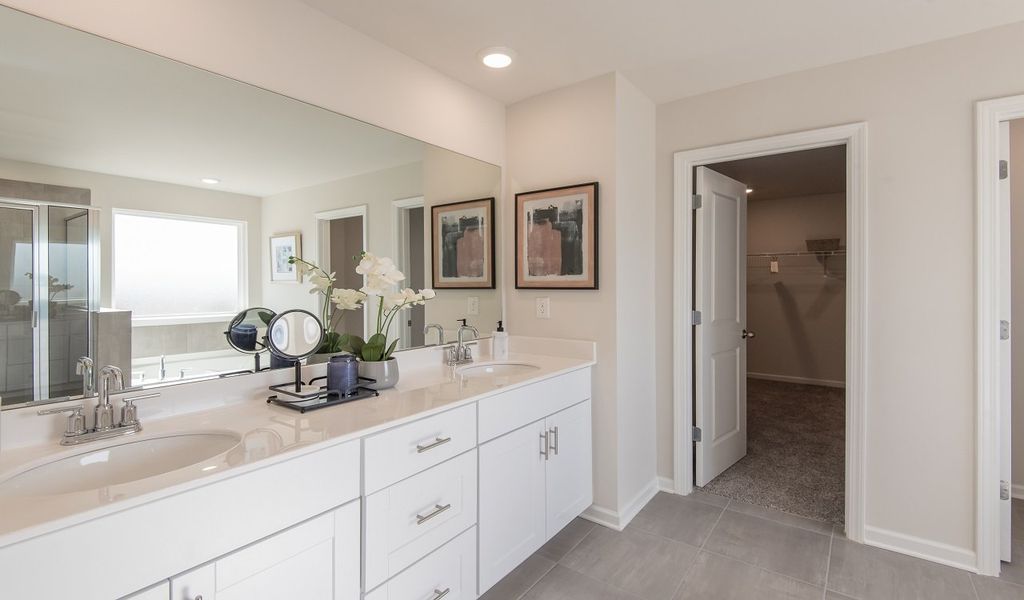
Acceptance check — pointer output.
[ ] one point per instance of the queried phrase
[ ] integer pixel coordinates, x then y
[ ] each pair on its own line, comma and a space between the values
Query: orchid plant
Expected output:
382, 277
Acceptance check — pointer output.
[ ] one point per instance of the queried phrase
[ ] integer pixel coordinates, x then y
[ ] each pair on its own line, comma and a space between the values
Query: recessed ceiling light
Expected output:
749, 190
497, 57
210, 180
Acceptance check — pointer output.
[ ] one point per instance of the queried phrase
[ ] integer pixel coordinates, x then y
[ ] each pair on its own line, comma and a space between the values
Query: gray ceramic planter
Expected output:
385, 372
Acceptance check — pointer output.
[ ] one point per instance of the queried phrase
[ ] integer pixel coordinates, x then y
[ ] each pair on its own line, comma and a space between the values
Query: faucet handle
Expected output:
129, 412
76, 418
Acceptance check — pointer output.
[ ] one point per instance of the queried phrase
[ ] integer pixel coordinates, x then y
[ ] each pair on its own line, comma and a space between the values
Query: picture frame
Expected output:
462, 245
556, 237
282, 246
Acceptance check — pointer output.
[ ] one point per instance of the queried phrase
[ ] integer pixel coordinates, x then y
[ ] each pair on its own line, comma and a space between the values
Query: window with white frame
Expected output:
178, 269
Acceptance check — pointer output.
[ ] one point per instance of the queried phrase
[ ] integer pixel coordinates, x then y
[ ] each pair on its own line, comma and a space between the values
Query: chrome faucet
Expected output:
109, 376
461, 354
440, 333
111, 379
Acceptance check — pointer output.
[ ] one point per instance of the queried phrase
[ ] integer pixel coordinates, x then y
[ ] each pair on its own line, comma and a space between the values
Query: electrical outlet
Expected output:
543, 308
473, 306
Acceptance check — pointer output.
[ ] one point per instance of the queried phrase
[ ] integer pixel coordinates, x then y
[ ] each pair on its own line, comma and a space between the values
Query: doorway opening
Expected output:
823, 267
341, 236
770, 366
410, 258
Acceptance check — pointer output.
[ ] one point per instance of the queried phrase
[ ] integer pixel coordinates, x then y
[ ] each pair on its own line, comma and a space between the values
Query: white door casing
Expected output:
720, 356
1006, 370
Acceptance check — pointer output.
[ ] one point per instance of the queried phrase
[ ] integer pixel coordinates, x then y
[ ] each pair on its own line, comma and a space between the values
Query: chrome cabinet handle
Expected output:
748, 335
554, 439
441, 593
438, 509
420, 449
545, 446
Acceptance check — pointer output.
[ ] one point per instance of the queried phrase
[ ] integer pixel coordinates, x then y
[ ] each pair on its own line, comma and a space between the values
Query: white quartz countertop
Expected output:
268, 433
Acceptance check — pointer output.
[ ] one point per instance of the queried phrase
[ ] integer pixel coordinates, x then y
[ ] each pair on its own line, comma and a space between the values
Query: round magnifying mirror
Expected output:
247, 332
295, 334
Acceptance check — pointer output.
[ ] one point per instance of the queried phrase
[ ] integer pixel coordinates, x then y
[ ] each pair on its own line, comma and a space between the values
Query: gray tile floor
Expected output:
707, 547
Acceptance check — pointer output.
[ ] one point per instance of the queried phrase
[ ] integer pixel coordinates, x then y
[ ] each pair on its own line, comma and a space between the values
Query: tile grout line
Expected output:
696, 556
828, 564
760, 568
559, 561
977, 596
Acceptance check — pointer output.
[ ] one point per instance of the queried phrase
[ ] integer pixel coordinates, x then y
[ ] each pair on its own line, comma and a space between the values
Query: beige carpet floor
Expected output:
795, 458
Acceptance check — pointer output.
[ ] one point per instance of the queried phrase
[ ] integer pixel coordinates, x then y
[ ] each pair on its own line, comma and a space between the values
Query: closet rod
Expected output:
805, 253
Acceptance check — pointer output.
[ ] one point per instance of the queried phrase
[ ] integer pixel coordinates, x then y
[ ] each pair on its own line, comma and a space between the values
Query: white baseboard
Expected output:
667, 484
618, 520
804, 380
1017, 491
953, 556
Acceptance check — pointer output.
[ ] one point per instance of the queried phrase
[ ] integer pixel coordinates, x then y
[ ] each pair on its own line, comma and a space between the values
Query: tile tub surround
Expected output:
586, 561
269, 433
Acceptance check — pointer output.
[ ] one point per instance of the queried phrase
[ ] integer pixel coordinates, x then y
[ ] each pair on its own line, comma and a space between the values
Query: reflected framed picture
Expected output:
462, 244
283, 246
556, 238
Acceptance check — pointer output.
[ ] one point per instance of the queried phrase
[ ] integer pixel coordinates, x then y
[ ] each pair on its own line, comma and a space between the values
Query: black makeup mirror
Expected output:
247, 333
294, 335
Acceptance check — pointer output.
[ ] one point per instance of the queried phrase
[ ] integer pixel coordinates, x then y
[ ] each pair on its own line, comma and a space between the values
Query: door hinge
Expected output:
1004, 169
695, 317
696, 434
698, 201
1004, 330
1004, 490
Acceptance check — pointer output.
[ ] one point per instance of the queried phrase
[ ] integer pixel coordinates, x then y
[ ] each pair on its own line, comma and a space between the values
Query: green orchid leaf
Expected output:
391, 350
351, 343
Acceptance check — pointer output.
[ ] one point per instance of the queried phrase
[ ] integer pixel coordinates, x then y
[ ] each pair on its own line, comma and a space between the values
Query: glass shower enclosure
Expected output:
49, 288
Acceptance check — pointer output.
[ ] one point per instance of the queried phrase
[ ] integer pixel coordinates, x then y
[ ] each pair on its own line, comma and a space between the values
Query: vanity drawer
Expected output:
508, 411
408, 520
449, 572
393, 455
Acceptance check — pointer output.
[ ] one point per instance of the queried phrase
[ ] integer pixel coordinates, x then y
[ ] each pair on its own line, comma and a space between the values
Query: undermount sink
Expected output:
495, 369
97, 468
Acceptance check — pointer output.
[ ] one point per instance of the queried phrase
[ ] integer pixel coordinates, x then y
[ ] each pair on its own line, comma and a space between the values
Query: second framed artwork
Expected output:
556, 238
462, 244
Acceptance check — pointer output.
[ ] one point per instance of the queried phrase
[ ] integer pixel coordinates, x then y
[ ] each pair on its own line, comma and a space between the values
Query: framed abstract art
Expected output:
462, 244
556, 238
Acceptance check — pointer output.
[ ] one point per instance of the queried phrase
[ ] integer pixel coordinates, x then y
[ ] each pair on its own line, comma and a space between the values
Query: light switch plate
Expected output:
543, 308
473, 306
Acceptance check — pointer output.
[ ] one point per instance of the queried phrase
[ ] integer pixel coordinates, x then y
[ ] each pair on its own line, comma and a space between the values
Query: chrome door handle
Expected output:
748, 335
545, 446
438, 594
553, 437
438, 509
420, 449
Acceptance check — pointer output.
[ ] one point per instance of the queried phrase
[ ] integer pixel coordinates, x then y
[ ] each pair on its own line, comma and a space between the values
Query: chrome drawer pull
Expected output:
545, 446
441, 593
438, 509
554, 439
437, 442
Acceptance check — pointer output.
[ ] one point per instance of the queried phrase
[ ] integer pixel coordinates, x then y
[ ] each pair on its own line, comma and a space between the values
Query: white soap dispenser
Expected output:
499, 343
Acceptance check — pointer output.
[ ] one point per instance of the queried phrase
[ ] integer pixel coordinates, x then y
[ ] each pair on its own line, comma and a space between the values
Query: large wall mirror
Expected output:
139, 198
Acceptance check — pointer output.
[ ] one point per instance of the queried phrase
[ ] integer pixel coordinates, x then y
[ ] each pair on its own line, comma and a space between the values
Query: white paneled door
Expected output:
720, 356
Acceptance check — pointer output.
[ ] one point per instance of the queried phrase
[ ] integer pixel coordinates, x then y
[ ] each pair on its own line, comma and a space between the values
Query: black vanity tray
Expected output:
325, 399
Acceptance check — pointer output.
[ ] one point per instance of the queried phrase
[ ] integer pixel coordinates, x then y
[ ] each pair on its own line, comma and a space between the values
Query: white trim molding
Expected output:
988, 115
832, 383
618, 520
945, 554
854, 137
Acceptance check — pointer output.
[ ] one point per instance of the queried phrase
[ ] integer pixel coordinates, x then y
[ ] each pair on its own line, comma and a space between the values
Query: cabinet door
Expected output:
569, 477
512, 503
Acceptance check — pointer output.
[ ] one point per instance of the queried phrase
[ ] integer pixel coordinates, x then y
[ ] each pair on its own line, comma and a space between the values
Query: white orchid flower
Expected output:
428, 294
347, 299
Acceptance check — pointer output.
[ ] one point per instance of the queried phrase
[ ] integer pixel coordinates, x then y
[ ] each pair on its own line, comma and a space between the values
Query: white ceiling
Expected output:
790, 175
74, 100
669, 48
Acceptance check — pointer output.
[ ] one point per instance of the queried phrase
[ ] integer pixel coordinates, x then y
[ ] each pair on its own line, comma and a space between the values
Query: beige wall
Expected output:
919, 106
1017, 295
301, 53
598, 130
798, 314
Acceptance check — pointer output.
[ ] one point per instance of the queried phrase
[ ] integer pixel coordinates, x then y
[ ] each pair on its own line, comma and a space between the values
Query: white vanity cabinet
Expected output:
536, 479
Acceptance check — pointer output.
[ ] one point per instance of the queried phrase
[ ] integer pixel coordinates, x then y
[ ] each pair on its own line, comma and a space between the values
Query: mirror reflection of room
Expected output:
136, 233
